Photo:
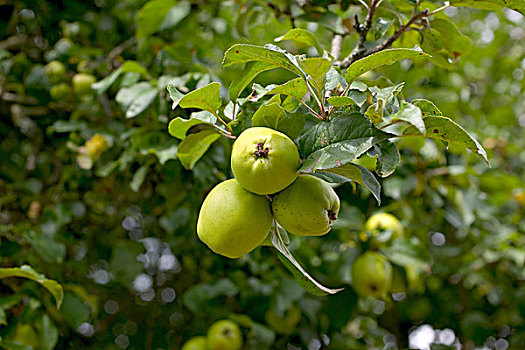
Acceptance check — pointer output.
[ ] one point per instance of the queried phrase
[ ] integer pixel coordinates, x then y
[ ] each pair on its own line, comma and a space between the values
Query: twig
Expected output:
314, 113
120, 48
319, 104
335, 51
360, 50
388, 42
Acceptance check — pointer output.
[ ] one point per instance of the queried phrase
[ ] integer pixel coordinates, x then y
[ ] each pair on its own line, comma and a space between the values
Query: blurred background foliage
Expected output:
92, 194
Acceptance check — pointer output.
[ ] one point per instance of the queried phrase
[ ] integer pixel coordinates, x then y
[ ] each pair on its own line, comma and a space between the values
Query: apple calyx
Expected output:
332, 215
261, 150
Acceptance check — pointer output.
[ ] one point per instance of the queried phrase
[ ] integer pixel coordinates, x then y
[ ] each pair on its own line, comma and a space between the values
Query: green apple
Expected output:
60, 91
233, 221
384, 221
196, 343
55, 71
286, 324
308, 207
82, 84
264, 161
372, 275
224, 335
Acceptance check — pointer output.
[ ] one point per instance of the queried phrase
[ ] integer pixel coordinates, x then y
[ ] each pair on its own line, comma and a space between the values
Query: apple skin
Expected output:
96, 146
308, 207
55, 71
264, 161
82, 84
384, 221
60, 91
224, 335
372, 275
232, 221
196, 343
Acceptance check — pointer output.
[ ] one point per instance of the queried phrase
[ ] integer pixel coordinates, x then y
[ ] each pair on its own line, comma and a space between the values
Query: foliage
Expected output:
98, 203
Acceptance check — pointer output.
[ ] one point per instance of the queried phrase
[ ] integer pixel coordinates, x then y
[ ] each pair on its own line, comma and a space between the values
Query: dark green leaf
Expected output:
344, 126
124, 264
75, 311
388, 157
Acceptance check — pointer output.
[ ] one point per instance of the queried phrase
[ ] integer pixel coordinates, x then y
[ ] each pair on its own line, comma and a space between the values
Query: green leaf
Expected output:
178, 127
492, 5
136, 98
407, 252
301, 276
160, 14
427, 107
295, 88
124, 264
382, 58
75, 311
374, 112
454, 41
302, 36
175, 95
327, 19
316, 68
128, 67
207, 98
344, 126
274, 116
388, 157
360, 175
243, 53
193, 147
250, 71
445, 129
138, 177
411, 114
48, 334
197, 298
26, 271
339, 101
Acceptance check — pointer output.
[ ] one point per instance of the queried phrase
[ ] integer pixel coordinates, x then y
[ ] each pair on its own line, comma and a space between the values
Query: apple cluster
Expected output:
238, 213
222, 335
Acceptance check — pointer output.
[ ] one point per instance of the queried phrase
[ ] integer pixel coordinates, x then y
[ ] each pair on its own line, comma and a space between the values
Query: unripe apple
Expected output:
55, 71
224, 335
372, 275
287, 323
82, 84
233, 221
60, 91
264, 161
384, 221
196, 343
308, 207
